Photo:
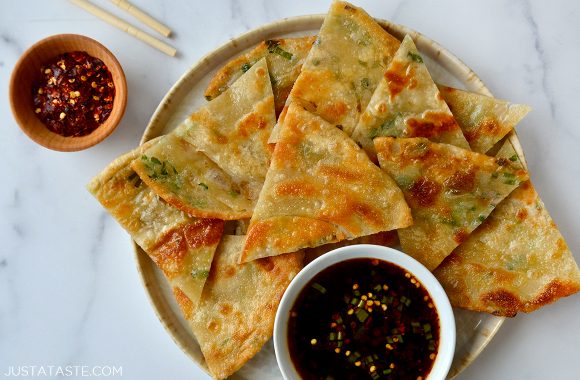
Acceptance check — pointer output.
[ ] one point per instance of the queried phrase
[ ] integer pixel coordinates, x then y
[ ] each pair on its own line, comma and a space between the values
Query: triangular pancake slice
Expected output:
285, 57
517, 260
450, 191
182, 247
214, 164
344, 66
235, 316
484, 120
321, 188
407, 103
188, 180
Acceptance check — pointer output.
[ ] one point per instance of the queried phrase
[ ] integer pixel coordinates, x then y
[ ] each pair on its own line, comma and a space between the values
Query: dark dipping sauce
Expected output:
74, 95
363, 319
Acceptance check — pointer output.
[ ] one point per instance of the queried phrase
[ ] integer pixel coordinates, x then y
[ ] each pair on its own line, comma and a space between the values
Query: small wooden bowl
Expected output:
27, 72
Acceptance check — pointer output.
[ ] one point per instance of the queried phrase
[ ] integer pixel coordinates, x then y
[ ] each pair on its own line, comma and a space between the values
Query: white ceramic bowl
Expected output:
447, 322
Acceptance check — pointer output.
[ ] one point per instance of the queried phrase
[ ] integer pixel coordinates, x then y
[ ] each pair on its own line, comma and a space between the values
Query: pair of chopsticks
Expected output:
128, 28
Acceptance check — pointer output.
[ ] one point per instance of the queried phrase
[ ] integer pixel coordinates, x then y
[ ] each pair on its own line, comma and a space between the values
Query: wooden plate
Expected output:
474, 330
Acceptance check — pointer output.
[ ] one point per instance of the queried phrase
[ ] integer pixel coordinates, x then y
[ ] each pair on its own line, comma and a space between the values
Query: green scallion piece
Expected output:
319, 287
273, 47
415, 57
431, 345
361, 315
200, 273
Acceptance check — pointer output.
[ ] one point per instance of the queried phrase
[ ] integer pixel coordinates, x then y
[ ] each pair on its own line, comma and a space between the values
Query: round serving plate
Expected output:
474, 330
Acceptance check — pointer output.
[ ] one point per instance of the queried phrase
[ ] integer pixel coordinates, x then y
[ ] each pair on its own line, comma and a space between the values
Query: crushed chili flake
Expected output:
74, 95
373, 321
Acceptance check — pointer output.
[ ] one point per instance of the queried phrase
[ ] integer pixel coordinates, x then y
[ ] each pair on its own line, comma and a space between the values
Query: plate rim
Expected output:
443, 56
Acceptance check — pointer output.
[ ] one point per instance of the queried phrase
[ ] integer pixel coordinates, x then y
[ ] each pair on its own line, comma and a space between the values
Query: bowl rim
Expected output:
82, 142
446, 350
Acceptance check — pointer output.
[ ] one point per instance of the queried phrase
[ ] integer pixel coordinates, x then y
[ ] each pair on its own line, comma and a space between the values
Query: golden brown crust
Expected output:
283, 71
336, 85
450, 191
407, 103
515, 261
184, 303
235, 315
483, 120
187, 194
171, 249
214, 164
267, 233
321, 188
181, 246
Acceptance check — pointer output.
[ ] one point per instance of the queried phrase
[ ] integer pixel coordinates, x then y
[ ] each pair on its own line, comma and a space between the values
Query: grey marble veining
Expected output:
69, 289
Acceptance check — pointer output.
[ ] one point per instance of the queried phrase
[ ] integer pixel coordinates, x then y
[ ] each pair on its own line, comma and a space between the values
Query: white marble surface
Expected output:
69, 289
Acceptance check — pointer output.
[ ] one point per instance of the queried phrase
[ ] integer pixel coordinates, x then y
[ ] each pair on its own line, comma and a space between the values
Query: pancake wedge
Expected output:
214, 164
407, 103
285, 57
182, 247
235, 316
321, 188
484, 120
450, 191
517, 260
344, 66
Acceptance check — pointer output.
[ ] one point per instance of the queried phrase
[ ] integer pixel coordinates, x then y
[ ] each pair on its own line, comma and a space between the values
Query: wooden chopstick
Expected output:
142, 16
125, 26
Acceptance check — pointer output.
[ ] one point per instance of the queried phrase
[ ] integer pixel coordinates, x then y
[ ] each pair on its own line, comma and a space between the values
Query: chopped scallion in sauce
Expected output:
363, 319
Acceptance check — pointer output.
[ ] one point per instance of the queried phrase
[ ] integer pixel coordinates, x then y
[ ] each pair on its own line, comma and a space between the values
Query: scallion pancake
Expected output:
214, 164
285, 57
449, 190
517, 260
344, 66
181, 246
407, 103
320, 188
235, 315
484, 120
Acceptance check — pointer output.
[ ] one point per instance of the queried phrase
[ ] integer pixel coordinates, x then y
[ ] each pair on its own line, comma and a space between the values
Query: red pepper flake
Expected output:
72, 107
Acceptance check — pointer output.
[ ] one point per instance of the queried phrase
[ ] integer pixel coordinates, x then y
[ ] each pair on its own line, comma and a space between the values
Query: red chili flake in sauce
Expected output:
363, 319
74, 95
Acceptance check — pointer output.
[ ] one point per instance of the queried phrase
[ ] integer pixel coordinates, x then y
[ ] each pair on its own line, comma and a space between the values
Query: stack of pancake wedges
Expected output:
310, 143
